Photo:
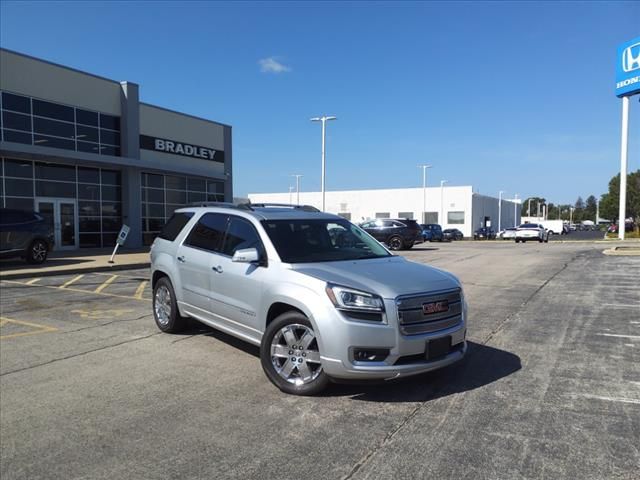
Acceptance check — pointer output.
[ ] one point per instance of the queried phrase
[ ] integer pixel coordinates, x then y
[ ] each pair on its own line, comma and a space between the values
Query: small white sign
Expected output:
122, 236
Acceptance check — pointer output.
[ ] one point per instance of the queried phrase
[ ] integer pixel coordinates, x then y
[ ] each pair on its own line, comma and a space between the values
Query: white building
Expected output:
451, 207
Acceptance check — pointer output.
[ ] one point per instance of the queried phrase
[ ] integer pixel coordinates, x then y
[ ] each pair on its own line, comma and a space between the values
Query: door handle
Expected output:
217, 269
181, 259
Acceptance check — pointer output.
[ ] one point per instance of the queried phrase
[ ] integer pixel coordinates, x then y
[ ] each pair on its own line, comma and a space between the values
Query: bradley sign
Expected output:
180, 148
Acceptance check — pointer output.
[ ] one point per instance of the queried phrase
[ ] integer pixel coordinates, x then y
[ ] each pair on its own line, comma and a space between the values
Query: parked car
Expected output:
397, 234
507, 233
531, 231
318, 309
432, 232
484, 233
452, 234
24, 234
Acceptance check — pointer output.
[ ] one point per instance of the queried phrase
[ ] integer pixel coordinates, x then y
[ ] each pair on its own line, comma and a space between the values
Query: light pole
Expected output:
571, 216
442, 182
324, 120
290, 190
500, 210
424, 191
529, 209
298, 176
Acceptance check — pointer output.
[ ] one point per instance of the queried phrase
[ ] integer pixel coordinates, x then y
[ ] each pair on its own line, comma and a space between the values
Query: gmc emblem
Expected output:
435, 307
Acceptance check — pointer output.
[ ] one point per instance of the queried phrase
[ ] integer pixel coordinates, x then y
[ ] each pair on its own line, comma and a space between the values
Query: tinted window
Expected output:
88, 175
109, 121
88, 147
16, 137
240, 234
109, 137
18, 188
17, 103
455, 217
55, 172
152, 180
44, 141
51, 127
17, 121
18, 168
208, 232
53, 110
110, 177
87, 118
87, 134
197, 185
175, 225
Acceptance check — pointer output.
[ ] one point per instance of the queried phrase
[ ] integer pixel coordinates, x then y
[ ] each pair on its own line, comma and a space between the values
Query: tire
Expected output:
517, 240
293, 370
407, 246
524, 241
395, 243
165, 308
540, 240
37, 252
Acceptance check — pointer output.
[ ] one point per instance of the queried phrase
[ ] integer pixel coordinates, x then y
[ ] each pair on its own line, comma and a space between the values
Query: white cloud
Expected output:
271, 65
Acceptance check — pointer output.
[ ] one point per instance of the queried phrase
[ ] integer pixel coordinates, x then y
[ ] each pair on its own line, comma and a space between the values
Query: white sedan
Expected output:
507, 233
531, 231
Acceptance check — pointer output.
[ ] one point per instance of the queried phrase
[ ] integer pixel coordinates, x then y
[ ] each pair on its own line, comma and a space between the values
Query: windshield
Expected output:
303, 241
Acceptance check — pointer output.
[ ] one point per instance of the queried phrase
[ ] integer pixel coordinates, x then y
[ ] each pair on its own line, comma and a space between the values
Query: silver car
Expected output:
321, 298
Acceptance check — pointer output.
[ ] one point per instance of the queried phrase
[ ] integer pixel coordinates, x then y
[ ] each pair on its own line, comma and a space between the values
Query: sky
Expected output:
511, 96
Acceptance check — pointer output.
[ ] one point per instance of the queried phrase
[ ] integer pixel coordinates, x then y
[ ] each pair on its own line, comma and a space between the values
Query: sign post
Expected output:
122, 237
627, 85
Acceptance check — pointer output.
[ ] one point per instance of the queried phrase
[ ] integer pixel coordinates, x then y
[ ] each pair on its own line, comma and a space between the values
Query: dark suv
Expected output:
398, 234
24, 234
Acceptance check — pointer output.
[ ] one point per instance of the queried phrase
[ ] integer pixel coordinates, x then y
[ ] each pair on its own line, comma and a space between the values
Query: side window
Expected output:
241, 234
208, 232
175, 225
398, 224
388, 223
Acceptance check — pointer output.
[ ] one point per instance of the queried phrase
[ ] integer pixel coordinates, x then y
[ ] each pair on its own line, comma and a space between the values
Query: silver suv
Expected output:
320, 297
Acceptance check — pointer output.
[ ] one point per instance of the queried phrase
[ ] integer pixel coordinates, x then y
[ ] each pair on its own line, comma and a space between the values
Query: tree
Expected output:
534, 206
590, 208
609, 201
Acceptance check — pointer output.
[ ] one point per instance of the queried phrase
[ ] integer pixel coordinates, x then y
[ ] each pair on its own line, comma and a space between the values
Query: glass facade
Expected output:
96, 190
163, 194
38, 122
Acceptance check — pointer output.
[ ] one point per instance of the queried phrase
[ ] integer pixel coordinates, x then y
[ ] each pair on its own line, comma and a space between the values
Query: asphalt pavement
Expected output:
89, 388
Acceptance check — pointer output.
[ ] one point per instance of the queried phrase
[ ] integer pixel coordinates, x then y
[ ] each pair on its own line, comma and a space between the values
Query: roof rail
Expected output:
305, 208
241, 206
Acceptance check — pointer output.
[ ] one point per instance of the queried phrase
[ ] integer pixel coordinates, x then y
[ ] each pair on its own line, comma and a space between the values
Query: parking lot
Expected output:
550, 387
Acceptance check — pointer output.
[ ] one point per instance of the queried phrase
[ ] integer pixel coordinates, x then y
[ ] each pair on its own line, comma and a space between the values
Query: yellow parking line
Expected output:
105, 284
40, 328
32, 281
73, 280
77, 290
140, 290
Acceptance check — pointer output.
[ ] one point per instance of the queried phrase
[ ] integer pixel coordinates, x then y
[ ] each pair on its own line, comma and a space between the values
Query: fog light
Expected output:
370, 354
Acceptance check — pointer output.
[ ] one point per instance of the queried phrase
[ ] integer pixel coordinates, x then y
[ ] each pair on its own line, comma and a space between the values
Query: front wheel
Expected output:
290, 355
165, 308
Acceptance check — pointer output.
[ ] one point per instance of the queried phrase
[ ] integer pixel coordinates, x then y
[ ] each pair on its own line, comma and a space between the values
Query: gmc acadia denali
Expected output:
321, 298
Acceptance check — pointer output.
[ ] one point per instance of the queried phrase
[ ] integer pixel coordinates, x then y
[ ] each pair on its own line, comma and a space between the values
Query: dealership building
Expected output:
451, 206
87, 154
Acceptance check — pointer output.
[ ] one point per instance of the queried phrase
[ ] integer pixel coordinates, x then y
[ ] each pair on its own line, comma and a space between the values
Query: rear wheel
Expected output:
37, 252
290, 355
395, 243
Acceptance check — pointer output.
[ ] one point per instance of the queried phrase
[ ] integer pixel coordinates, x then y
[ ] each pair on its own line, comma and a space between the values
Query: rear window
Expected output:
175, 225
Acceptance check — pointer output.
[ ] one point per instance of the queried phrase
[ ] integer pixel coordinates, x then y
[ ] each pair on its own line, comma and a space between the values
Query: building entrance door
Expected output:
61, 214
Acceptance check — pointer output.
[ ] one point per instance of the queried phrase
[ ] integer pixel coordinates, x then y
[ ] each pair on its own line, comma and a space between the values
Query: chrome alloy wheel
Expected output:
295, 355
39, 251
162, 305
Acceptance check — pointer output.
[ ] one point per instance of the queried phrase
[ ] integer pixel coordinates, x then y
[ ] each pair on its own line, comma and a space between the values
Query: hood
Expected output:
388, 277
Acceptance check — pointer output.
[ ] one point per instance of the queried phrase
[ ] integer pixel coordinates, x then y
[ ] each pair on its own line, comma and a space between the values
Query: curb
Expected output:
632, 251
70, 271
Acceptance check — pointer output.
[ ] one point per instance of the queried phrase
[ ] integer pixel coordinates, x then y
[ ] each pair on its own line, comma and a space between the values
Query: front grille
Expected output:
412, 320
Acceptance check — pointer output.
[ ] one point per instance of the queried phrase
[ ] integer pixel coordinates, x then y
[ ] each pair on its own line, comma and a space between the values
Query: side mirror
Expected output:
246, 255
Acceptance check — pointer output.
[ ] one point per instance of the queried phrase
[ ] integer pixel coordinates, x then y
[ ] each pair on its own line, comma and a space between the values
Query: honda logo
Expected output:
631, 58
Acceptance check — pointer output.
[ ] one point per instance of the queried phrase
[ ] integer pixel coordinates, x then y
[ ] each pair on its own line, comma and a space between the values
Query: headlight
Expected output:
350, 299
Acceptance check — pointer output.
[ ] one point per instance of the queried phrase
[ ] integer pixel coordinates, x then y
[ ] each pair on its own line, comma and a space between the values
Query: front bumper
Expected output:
406, 352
